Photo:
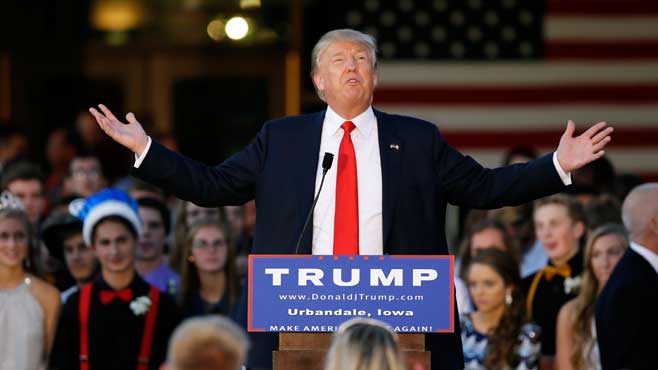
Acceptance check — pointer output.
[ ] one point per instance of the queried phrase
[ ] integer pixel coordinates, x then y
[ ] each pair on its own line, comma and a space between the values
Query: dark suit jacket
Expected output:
419, 176
627, 316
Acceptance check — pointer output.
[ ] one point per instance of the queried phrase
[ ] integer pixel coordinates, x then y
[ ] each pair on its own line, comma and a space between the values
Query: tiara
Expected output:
10, 201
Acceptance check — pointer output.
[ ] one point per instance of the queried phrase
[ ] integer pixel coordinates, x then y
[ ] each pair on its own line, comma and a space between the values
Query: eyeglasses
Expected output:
205, 244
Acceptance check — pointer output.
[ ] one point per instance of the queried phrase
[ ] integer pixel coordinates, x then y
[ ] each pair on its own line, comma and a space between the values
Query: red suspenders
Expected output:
147, 336
85, 301
149, 327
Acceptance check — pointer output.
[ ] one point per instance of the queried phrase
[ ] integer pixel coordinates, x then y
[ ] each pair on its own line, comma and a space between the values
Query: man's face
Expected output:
114, 246
153, 237
30, 193
487, 238
87, 177
557, 232
80, 259
346, 76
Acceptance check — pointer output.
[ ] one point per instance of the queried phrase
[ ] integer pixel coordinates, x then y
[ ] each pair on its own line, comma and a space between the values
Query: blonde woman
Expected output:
28, 305
364, 344
576, 335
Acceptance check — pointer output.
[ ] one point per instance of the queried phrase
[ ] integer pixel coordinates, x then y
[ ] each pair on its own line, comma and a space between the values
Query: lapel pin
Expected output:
395, 146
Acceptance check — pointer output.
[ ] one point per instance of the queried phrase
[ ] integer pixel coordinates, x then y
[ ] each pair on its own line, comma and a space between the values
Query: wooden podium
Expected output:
307, 351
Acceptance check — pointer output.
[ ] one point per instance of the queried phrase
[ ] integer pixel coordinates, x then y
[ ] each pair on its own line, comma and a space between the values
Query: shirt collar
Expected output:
647, 254
364, 122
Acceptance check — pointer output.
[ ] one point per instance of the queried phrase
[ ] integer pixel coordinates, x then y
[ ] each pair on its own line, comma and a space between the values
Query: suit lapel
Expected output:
390, 151
310, 135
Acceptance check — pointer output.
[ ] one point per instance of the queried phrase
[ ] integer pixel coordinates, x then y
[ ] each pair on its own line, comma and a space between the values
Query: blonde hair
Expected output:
364, 344
207, 343
574, 208
583, 312
345, 34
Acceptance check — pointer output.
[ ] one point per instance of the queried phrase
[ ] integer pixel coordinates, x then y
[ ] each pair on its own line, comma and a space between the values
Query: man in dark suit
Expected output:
387, 193
627, 309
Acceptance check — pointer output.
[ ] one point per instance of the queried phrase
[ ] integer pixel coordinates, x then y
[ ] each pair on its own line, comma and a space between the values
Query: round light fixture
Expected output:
237, 28
215, 30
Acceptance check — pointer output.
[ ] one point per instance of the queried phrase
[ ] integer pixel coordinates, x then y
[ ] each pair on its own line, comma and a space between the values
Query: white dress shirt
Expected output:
365, 138
648, 255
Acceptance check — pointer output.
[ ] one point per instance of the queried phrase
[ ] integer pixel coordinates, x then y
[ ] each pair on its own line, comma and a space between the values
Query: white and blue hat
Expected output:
105, 203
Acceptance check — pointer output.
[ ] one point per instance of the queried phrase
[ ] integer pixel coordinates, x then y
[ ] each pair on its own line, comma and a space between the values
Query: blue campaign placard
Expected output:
295, 293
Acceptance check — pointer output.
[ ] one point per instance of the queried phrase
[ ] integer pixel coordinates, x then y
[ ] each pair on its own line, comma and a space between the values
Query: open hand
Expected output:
130, 135
575, 152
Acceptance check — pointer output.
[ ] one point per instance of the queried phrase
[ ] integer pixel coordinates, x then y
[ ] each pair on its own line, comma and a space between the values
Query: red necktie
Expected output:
108, 296
346, 221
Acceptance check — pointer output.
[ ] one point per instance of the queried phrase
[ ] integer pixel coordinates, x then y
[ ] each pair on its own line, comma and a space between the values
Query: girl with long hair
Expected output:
208, 281
186, 215
496, 335
576, 335
28, 305
364, 344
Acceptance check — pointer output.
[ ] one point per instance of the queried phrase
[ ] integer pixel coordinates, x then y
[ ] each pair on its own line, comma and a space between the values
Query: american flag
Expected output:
493, 74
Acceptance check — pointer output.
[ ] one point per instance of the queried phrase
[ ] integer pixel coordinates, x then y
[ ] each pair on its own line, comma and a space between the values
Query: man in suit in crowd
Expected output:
627, 309
386, 195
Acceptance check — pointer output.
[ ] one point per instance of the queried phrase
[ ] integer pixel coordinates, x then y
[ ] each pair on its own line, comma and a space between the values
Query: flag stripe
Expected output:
528, 117
624, 159
515, 73
487, 138
601, 50
564, 94
594, 8
601, 29
649, 176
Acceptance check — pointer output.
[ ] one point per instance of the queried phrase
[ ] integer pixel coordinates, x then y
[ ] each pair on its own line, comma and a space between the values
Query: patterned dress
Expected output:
475, 345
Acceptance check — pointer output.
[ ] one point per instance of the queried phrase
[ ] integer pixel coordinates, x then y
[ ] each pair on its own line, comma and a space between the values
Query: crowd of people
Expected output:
78, 258
98, 269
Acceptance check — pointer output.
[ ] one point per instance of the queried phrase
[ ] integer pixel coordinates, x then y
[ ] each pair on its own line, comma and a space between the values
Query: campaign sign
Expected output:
293, 293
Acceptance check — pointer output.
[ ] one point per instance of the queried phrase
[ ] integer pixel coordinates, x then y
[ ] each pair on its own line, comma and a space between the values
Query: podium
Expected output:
307, 351
305, 299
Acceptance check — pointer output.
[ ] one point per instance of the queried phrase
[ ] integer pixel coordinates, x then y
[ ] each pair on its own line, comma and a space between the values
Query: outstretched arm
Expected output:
469, 184
231, 182
130, 135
